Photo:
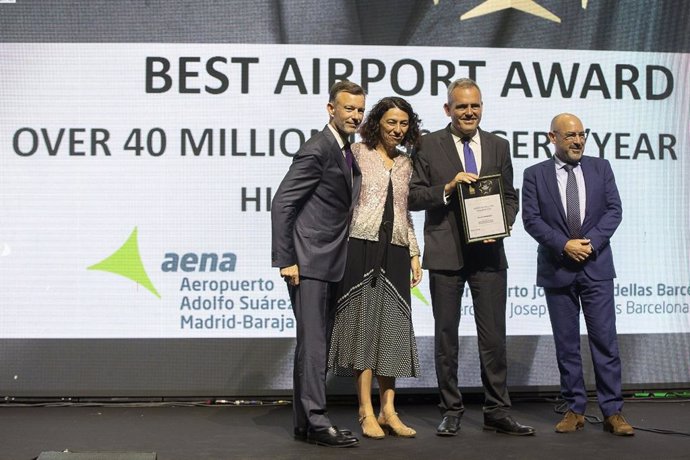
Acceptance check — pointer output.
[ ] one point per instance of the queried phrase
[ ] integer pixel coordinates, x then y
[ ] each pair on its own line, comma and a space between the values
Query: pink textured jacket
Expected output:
368, 212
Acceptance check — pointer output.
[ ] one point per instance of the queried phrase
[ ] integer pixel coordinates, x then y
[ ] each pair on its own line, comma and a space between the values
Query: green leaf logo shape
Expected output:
126, 262
418, 294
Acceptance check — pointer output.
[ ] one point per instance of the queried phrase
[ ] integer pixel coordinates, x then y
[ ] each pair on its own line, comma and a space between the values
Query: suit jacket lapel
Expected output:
487, 149
450, 150
549, 174
588, 173
339, 158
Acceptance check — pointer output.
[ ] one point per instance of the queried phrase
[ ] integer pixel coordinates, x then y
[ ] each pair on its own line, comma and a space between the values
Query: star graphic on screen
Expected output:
527, 6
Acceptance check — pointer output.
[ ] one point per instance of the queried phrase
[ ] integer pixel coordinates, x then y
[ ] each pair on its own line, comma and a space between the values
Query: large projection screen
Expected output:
141, 142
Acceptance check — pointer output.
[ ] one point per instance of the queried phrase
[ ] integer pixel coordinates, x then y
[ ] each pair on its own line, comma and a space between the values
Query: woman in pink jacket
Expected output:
373, 333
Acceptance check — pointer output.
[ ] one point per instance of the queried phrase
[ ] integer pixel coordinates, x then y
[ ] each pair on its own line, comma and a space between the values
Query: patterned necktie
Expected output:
572, 201
349, 158
470, 164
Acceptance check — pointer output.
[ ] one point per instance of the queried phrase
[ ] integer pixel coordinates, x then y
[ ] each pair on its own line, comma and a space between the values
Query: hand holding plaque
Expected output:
483, 209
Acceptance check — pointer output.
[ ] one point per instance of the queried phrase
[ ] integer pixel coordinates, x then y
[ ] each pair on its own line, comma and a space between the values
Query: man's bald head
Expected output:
568, 135
563, 118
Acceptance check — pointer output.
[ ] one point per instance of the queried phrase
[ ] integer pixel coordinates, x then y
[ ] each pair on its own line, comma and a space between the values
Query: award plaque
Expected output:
483, 209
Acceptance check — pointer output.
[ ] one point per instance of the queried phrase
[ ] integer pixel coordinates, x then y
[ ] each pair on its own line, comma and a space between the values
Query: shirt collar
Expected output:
560, 164
338, 137
473, 140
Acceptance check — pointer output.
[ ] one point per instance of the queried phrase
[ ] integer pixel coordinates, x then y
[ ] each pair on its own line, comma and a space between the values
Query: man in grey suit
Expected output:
462, 152
310, 217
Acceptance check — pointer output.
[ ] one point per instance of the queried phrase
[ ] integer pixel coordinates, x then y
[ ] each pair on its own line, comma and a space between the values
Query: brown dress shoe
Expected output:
571, 422
617, 425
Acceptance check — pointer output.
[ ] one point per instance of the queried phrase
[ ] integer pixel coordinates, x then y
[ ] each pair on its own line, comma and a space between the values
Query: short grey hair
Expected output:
463, 83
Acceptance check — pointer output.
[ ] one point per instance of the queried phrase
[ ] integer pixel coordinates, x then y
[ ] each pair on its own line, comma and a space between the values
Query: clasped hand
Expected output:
578, 249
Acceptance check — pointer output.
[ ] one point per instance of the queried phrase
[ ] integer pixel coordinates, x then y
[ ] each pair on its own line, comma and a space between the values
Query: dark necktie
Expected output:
349, 158
572, 201
470, 164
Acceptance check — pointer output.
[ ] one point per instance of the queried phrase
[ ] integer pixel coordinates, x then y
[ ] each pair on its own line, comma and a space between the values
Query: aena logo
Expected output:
126, 262
205, 262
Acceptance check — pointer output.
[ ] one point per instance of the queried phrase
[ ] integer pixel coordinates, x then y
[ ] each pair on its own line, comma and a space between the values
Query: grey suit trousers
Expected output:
314, 309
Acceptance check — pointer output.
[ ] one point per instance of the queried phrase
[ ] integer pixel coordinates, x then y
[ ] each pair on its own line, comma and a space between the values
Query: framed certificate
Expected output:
483, 209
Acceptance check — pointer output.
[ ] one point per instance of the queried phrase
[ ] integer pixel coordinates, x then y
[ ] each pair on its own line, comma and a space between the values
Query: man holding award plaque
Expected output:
463, 179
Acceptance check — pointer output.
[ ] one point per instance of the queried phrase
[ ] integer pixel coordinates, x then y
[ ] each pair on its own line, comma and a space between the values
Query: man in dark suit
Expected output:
461, 153
572, 208
310, 218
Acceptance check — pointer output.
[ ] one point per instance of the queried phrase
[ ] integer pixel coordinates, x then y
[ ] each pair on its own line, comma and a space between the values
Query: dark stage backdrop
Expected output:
141, 142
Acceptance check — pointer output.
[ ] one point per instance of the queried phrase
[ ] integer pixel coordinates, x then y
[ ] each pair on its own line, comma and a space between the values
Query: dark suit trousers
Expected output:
488, 290
599, 309
313, 305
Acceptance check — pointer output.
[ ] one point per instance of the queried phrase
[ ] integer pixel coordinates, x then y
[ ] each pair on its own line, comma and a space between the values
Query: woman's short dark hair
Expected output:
370, 129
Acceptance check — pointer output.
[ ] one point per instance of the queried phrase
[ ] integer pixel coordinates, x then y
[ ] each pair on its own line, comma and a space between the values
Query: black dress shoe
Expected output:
508, 426
300, 434
449, 426
331, 437
345, 431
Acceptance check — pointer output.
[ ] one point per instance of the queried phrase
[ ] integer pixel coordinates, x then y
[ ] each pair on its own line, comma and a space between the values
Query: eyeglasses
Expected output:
571, 135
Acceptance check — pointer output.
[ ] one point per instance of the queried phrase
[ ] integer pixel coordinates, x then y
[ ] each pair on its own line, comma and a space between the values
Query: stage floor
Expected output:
264, 432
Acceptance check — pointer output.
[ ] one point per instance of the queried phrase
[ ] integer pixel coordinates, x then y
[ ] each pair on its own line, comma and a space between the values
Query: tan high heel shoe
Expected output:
370, 427
395, 427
